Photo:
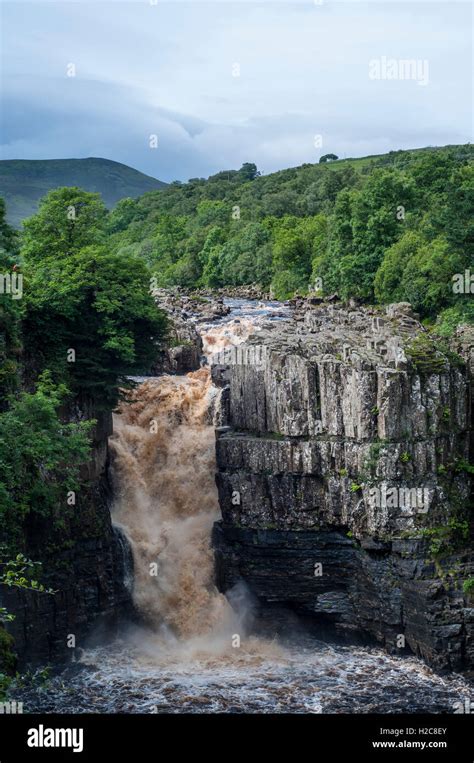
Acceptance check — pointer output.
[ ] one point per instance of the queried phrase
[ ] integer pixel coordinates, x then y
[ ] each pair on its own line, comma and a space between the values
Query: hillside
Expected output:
393, 227
24, 182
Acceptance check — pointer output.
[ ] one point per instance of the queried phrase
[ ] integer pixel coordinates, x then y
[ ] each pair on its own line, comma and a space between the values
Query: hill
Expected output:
23, 182
386, 228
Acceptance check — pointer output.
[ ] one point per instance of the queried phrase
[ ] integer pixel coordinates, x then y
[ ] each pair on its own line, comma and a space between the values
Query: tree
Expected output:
419, 271
319, 247
212, 275
8, 235
248, 171
212, 213
328, 158
293, 242
215, 236
123, 214
40, 458
68, 219
91, 319
375, 226
427, 276
10, 309
241, 257
388, 279
455, 215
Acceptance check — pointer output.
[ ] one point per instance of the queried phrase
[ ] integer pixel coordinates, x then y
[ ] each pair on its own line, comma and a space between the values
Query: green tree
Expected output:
243, 258
427, 276
10, 309
215, 213
91, 319
40, 459
376, 224
124, 213
388, 279
68, 219
293, 250
212, 273
455, 215
248, 171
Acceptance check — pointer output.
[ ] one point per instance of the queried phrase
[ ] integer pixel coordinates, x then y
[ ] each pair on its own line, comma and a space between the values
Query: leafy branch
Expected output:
17, 573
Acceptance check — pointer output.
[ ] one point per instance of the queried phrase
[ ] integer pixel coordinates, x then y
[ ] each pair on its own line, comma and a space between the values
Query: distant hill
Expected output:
24, 181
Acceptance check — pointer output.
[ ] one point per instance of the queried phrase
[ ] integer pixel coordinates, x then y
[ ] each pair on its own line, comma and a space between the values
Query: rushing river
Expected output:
195, 651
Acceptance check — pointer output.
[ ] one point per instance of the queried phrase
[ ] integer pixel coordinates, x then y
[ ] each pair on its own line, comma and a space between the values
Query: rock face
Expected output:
86, 562
184, 350
343, 477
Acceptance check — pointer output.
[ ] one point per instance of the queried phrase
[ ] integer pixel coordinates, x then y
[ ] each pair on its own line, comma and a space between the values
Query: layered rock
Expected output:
343, 477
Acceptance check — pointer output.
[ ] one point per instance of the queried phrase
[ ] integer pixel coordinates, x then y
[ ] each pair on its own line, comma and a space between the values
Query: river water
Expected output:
195, 650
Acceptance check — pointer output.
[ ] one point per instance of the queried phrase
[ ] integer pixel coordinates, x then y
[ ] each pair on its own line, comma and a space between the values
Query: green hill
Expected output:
24, 181
387, 228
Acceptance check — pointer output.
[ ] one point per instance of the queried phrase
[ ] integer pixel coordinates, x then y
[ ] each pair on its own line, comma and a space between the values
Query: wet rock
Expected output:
343, 448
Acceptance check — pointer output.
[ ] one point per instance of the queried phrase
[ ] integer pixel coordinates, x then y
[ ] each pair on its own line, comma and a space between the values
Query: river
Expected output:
195, 650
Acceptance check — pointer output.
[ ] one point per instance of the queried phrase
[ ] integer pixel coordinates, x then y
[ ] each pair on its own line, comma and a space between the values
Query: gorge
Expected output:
328, 595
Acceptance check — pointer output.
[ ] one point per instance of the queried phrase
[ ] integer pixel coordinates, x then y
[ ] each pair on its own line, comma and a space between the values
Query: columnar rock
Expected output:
344, 478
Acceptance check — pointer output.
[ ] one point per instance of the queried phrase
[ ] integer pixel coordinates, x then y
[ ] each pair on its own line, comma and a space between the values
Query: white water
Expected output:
185, 657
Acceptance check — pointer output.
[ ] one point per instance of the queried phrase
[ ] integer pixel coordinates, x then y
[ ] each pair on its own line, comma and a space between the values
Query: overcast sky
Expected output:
168, 69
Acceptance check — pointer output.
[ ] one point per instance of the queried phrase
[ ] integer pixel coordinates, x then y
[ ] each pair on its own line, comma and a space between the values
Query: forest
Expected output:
382, 229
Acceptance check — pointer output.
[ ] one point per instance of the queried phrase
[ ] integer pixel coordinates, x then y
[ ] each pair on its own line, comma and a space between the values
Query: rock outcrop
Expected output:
85, 561
344, 477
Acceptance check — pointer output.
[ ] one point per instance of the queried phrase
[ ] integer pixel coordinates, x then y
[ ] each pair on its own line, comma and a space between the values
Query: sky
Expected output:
221, 83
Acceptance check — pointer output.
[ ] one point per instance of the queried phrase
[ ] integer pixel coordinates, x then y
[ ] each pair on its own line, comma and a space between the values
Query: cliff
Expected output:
85, 561
344, 477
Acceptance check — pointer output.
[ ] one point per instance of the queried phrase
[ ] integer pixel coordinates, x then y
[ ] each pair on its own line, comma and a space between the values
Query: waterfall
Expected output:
163, 470
166, 502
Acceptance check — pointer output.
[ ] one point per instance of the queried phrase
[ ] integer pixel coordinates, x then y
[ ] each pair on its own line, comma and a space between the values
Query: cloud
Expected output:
170, 70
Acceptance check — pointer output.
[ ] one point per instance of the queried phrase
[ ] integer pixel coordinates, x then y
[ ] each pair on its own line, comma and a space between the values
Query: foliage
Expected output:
468, 587
447, 538
387, 228
89, 315
40, 458
426, 355
17, 573
449, 319
10, 311
68, 219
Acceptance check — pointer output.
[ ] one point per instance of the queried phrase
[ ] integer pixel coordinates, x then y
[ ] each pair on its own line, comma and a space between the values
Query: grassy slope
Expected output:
23, 182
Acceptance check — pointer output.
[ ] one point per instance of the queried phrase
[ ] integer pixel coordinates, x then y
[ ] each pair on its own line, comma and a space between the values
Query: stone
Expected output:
337, 408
